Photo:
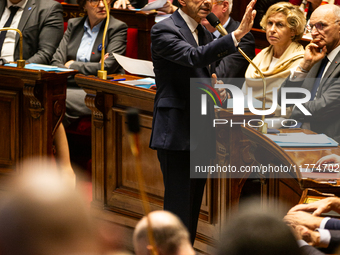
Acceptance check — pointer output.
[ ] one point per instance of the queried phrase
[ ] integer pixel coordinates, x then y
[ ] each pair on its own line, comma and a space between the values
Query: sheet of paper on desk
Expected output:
145, 81
154, 5
46, 68
303, 140
135, 66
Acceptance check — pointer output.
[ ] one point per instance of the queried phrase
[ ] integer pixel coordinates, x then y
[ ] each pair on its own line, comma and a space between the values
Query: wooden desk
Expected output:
142, 20
265, 152
32, 104
115, 188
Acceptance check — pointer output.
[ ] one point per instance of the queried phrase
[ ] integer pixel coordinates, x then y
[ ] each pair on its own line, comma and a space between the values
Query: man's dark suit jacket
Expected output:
177, 58
325, 116
115, 41
235, 65
42, 27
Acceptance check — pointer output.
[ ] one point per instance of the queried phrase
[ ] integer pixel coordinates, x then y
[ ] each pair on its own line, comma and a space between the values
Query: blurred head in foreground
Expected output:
171, 236
43, 215
256, 232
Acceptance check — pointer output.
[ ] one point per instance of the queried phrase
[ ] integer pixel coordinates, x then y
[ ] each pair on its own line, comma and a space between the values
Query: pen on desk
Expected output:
121, 79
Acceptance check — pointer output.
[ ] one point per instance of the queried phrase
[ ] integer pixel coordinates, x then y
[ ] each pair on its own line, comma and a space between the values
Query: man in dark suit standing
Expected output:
319, 73
225, 68
42, 26
177, 56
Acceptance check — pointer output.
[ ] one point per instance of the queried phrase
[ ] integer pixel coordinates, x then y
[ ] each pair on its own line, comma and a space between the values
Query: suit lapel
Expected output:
311, 76
75, 38
28, 10
331, 69
183, 28
99, 41
185, 31
2, 7
333, 65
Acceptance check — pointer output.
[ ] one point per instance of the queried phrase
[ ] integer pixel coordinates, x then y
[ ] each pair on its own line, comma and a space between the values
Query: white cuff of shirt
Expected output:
302, 243
325, 237
296, 75
234, 39
323, 222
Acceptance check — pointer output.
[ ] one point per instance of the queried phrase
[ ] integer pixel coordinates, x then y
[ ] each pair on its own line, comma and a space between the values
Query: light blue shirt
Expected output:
87, 41
217, 33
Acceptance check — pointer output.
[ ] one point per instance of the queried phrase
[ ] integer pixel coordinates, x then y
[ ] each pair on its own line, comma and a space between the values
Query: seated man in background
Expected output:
41, 23
170, 235
319, 72
234, 65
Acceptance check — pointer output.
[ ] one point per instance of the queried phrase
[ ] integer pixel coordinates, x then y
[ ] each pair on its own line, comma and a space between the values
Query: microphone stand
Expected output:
20, 63
213, 20
102, 74
134, 128
263, 129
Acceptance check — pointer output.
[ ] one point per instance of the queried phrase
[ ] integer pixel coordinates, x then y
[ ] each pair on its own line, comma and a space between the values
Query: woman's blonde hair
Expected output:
296, 20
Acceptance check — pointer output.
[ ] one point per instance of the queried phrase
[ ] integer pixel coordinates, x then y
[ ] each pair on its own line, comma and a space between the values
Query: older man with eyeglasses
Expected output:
40, 21
319, 72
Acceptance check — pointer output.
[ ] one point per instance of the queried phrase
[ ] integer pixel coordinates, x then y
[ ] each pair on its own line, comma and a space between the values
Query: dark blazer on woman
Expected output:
115, 41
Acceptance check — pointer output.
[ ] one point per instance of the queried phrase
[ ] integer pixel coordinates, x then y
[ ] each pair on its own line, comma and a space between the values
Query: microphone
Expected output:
102, 74
20, 62
215, 22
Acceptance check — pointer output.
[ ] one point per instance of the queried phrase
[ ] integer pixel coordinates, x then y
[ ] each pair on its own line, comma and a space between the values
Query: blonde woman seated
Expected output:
284, 24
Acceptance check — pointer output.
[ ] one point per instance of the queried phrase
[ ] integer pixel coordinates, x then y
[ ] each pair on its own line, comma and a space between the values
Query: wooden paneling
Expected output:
9, 105
32, 104
115, 186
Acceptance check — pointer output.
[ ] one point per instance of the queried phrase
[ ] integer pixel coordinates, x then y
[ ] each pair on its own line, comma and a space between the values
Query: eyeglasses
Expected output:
218, 2
319, 26
95, 3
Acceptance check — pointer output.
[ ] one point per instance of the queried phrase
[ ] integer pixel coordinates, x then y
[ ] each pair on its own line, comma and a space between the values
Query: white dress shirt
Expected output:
9, 43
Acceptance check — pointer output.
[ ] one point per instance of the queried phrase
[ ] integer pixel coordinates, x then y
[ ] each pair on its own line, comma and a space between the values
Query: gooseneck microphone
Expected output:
215, 22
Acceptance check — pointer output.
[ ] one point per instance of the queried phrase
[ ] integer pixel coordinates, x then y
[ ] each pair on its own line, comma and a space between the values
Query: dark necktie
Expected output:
13, 10
318, 78
316, 83
200, 30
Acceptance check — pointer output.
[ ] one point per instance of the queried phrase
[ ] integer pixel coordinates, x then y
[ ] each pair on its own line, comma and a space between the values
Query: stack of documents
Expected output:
302, 140
41, 67
142, 83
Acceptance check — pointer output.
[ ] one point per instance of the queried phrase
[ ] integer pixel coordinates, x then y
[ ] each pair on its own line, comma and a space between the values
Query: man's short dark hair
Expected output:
258, 234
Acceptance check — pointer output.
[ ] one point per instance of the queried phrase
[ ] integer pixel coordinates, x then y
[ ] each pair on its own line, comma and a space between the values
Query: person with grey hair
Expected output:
170, 235
225, 68
319, 73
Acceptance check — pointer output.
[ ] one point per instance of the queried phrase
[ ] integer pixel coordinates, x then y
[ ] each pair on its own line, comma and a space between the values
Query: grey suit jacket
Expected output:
325, 116
42, 27
115, 41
